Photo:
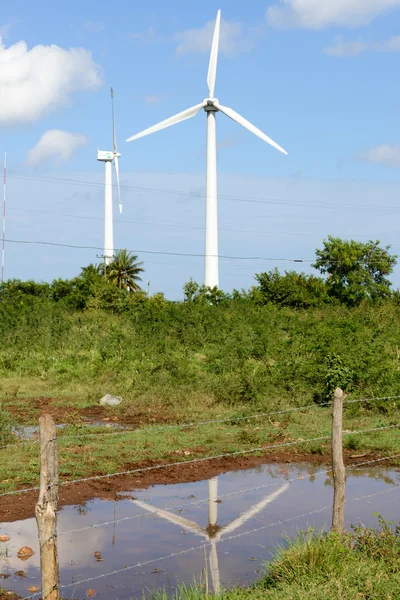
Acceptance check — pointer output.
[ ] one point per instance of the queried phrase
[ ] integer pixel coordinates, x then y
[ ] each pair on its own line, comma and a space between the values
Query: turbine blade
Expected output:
212, 66
113, 122
182, 116
117, 174
252, 511
178, 520
229, 112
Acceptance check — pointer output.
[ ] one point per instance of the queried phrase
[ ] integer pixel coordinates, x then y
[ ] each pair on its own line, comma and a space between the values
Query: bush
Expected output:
296, 290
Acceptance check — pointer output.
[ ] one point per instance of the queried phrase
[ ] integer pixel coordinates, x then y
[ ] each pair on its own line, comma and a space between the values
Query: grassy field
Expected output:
361, 565
184, 362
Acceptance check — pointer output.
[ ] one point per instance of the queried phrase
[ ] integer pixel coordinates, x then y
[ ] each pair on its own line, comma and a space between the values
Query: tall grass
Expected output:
233, 354
361, 565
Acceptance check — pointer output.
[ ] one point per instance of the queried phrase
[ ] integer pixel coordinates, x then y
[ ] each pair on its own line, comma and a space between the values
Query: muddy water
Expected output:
127, 541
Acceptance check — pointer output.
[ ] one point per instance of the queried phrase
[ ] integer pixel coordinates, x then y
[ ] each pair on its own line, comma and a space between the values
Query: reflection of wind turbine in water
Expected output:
213, 532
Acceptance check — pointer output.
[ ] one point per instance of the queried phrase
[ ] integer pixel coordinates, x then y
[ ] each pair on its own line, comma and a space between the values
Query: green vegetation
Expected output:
362, 565
280, 345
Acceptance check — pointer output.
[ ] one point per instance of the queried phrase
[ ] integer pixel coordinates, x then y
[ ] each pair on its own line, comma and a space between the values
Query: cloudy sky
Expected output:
320, 78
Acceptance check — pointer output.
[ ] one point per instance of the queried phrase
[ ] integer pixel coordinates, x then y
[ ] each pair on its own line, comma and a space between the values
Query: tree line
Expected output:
351, 273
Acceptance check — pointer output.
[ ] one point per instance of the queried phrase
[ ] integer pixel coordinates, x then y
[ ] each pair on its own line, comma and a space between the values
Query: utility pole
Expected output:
148, 287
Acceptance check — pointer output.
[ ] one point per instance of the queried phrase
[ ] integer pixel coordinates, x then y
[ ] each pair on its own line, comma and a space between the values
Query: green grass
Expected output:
96, 455
361, 565
180, 362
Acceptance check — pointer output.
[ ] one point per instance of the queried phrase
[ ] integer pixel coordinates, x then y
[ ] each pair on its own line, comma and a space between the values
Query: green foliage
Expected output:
193, 292
7, 428
364, 565
296, 290
263, 355
124, 271
356, 271
337, 376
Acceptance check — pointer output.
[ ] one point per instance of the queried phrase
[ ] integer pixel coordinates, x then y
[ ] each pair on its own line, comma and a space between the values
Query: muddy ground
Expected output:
33, 408
22, 505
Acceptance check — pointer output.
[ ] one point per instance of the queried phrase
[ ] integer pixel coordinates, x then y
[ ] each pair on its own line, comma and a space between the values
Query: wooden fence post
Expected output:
46, 508
338, 468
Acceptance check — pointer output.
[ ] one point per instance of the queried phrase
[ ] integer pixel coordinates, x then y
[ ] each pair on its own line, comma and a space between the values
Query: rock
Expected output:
25, 552
4, 538
109, 400
33, 589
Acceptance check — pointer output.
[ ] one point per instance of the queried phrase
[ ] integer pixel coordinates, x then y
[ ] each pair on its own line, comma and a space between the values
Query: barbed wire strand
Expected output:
226, 420
203, 423
356, 466
203, 459
200, 547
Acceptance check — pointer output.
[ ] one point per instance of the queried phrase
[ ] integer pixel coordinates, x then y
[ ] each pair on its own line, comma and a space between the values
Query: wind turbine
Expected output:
213, 533
211, 106
108, 158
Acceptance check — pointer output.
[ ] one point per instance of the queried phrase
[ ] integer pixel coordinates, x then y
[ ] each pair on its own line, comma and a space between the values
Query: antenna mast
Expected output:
4, 216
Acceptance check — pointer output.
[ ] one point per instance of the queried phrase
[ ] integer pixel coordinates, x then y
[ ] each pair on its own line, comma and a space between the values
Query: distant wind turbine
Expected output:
108, 158
211, 106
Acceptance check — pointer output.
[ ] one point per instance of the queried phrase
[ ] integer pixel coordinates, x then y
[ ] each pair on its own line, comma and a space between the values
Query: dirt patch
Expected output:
21, 506
89, 414
8, 596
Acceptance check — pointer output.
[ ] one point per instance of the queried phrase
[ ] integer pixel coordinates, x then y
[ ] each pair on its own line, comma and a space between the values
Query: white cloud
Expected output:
382, 155
319, 14
353, 48
235, 38
152, 99
93, 26
37, 81
55, 145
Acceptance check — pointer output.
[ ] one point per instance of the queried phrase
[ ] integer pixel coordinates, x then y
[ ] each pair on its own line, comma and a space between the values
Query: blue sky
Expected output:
319, 78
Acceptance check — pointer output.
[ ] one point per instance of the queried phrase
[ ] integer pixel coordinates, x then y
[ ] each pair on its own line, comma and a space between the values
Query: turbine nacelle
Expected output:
210, 104
105, 156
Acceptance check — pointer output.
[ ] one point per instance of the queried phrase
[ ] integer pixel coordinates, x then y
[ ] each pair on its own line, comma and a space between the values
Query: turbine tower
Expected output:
108, 158
211, 106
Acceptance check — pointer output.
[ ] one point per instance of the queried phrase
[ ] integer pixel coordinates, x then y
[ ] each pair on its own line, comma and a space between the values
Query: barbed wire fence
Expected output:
49, 483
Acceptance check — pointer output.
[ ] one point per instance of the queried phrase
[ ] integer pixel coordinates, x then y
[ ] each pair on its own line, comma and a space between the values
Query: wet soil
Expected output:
72, 415
21, 506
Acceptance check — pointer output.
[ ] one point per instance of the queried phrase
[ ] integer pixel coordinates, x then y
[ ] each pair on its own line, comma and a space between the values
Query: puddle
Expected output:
29, 432
160, 527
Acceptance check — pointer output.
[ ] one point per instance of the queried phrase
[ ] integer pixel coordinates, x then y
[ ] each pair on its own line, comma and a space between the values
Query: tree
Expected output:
124, 271
296, 290
355, 271
92, 272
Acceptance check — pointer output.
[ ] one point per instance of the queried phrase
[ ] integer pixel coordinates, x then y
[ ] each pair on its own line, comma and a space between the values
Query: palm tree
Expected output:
91, 271
124, 271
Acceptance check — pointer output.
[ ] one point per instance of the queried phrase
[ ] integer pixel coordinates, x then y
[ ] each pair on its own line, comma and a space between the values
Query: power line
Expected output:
169, 225
188, 254
253, 200
157, 224
165, 253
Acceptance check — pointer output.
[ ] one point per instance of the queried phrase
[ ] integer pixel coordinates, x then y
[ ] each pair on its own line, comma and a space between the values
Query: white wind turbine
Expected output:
108, 158
211, 106
213, 533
